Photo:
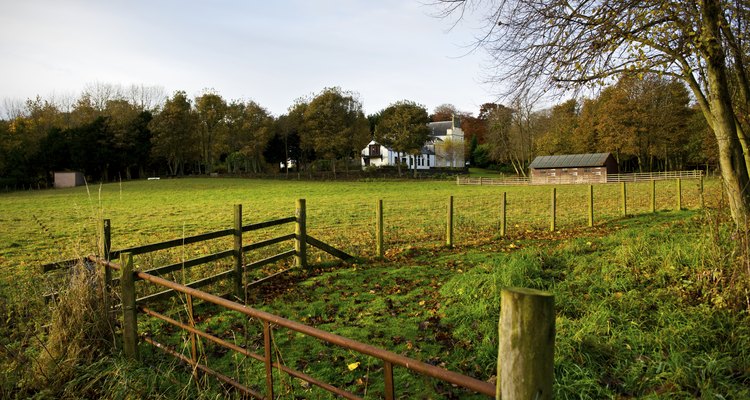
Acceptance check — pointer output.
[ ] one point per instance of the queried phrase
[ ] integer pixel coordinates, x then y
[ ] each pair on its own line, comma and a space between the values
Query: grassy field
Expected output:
642, 307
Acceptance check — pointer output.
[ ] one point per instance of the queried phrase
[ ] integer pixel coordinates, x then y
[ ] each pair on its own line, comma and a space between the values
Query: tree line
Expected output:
647, 122
109, 133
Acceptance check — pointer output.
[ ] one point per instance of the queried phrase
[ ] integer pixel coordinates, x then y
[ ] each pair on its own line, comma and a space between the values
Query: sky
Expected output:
271, 52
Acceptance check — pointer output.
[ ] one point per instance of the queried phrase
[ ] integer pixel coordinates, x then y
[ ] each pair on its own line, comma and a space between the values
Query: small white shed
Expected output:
69, 179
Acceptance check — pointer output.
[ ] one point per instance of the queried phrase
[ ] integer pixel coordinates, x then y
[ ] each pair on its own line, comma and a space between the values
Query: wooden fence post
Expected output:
129, 311
503, 214
679, 194
553, 206
380, 251
703, 199
105, 235
653, 196
449, 224
624, 194
525, 360
591, 205
239, 288
300, 231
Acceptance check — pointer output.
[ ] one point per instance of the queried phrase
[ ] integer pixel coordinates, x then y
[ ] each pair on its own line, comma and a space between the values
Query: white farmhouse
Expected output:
444, 148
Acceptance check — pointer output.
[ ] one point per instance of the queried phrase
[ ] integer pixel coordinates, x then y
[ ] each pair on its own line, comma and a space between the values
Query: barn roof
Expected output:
570, 161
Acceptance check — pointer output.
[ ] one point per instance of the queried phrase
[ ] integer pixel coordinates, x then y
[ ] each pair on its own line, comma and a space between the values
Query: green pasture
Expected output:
642, 300
50, 225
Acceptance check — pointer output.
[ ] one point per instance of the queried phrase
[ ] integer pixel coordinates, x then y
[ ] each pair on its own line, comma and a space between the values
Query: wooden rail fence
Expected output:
611, 178
526, 324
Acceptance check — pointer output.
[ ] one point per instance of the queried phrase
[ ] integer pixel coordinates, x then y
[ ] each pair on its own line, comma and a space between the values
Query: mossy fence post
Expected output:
379, 250
129, 311
703, 199
503, 214
624, 196
553, 210
525, 360
300, 232
591, 206
449, 224
239, 288
678, 199
653, 196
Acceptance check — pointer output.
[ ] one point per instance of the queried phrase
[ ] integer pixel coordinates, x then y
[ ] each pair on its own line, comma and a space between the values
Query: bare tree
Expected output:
567, 44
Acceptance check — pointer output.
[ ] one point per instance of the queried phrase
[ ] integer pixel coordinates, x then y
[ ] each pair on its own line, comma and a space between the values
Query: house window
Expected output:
587, 170
552, 173
374, 150
428, 160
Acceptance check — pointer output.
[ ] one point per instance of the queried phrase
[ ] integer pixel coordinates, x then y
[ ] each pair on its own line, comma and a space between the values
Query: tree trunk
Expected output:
732, 161
398, 162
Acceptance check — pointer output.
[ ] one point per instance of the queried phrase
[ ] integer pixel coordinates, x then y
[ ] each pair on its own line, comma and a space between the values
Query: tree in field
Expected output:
403, 128
210, 110
444, 112
335, 125
561, 124
566, 44
247, 135
174, 131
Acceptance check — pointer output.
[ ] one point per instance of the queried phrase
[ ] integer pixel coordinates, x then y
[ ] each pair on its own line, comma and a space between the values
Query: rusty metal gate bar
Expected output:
389, 358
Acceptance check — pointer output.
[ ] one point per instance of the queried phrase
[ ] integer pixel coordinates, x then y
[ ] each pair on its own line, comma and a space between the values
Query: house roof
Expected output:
440, 128
570, 161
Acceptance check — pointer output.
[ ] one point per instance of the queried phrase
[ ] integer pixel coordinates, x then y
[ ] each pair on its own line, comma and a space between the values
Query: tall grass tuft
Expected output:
81, 330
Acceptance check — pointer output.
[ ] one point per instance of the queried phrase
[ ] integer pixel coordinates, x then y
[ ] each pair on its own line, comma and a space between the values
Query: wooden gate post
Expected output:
105, 235
591, 206
239, 288
703, 199
300, 231
553, 214
379, 250
624, 194
129, 311
503, 215
525, 360
449, 224
653, 196
679, 194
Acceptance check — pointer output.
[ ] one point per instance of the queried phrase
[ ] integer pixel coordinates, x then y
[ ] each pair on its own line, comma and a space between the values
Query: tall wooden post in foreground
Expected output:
129, 312
239, 288
525, 361
679, 195
300, 231
624, 195
703, 199
380, 251
449, 224
653, 196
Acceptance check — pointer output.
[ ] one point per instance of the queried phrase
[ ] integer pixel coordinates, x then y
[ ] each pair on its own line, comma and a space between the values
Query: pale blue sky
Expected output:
271, 51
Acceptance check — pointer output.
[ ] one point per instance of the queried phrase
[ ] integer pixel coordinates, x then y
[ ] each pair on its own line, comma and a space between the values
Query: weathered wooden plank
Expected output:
267, 224
264, 243
270, 260
328, 248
